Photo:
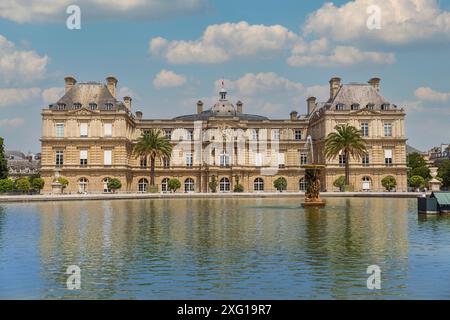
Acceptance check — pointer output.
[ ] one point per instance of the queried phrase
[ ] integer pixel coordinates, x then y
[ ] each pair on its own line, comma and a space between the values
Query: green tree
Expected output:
417, 182
37, 184
64, 182
6, 185
238, 188
213, 184
389, 182
114, 184
339, 183
22, 184
174, 185
348, 141
417, 166
154, 145
3, 163
444, 173
280, 184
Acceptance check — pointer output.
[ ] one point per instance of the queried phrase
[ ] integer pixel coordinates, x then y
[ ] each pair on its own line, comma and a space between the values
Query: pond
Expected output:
223, 249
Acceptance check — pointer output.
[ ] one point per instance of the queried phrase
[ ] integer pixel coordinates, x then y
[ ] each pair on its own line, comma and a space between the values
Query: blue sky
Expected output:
272, 55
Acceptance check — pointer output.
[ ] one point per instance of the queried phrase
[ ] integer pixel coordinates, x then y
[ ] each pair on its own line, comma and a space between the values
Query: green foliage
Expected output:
238, 188
389, 182
114, 184
6, 185
417, 166
174, 185
348, 141
339, 183
37, 183
63, 181
22, 184
213, 184
154, 145
417, 181
444, 173
280, 184
3, 163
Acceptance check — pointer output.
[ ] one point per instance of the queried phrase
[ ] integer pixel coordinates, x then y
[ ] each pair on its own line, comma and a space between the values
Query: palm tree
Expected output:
154, 145
348, 141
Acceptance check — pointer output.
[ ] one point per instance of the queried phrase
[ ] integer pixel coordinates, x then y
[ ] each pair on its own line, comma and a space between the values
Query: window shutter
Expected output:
108, 157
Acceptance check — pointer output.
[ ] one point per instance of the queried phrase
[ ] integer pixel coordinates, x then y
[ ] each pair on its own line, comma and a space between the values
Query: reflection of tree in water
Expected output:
2, 222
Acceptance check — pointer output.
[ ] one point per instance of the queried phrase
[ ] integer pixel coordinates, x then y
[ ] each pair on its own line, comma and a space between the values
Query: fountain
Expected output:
312, 178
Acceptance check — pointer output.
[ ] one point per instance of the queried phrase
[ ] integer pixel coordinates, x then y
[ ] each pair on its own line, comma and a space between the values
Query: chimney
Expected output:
127, 100
239, 105
311, 101
112, 85
294, 115
70, 82
139, 115
375, 82
335, 85
199, 106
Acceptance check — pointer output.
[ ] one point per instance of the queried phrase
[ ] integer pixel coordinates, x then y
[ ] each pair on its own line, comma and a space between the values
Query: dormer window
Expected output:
340, 106
108, 106
77, 106
93, 106
385, 106
355, 106
61, 106
370, 106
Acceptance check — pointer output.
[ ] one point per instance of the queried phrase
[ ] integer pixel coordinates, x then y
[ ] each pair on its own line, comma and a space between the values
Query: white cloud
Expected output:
51, 95
16, 96
221, 42
168, 79
127, 92
25, 11
15, 122
428, 94
340, 56
402, 21
20, 65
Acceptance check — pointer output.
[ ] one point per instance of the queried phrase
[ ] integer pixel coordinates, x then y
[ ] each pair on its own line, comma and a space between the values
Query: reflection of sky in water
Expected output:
223, 248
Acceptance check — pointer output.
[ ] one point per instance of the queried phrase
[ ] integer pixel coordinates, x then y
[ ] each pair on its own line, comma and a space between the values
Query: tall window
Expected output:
224, 185
302, 185
189, 161
258, 184
258, 159
107, 159
168, 134
281, 163
189, 185
165, 185
106, 189
388, 157
107, 129
298, 134
83, 158
166, 162
275, 134
83, 185
83, 129
365, 129
143, 162
60, 130
224, 159
190, 135
303, 158
365, 160
59, 158
142, 185
388, 129
341, 160
255, 134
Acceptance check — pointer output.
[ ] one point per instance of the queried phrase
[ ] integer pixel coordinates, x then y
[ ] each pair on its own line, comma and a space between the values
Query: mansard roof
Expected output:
361, 94
89, 93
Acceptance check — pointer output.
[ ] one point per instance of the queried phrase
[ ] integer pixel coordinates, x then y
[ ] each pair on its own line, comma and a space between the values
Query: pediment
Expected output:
81, 112
365, 112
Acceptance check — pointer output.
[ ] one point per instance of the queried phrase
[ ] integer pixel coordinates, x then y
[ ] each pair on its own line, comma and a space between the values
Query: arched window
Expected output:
355, 106
224, 185
76, 105
258, 185
83, 185
340, 106
302, 185
142, 185
189, 185
165, 185
93, 106
105, 186
108, 106
370, 106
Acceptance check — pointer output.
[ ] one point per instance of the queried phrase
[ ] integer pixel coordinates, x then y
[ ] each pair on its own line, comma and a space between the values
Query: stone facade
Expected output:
88, 137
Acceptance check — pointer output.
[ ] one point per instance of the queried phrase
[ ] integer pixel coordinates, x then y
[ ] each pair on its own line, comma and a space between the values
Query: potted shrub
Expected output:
389, 183
114, 184
417, 182
64, 183
174, 185
280, 184
213, 184
37, 184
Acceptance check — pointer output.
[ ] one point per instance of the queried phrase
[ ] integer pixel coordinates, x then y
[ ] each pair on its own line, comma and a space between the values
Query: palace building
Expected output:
88, 137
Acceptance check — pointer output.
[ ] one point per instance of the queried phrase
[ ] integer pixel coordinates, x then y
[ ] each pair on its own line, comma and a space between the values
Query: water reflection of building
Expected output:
88, 136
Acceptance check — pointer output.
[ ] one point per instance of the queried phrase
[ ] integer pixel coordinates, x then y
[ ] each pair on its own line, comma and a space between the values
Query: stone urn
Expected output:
434, 184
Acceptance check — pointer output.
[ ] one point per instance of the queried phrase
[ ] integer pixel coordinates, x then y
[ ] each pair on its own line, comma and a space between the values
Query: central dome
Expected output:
223, 107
